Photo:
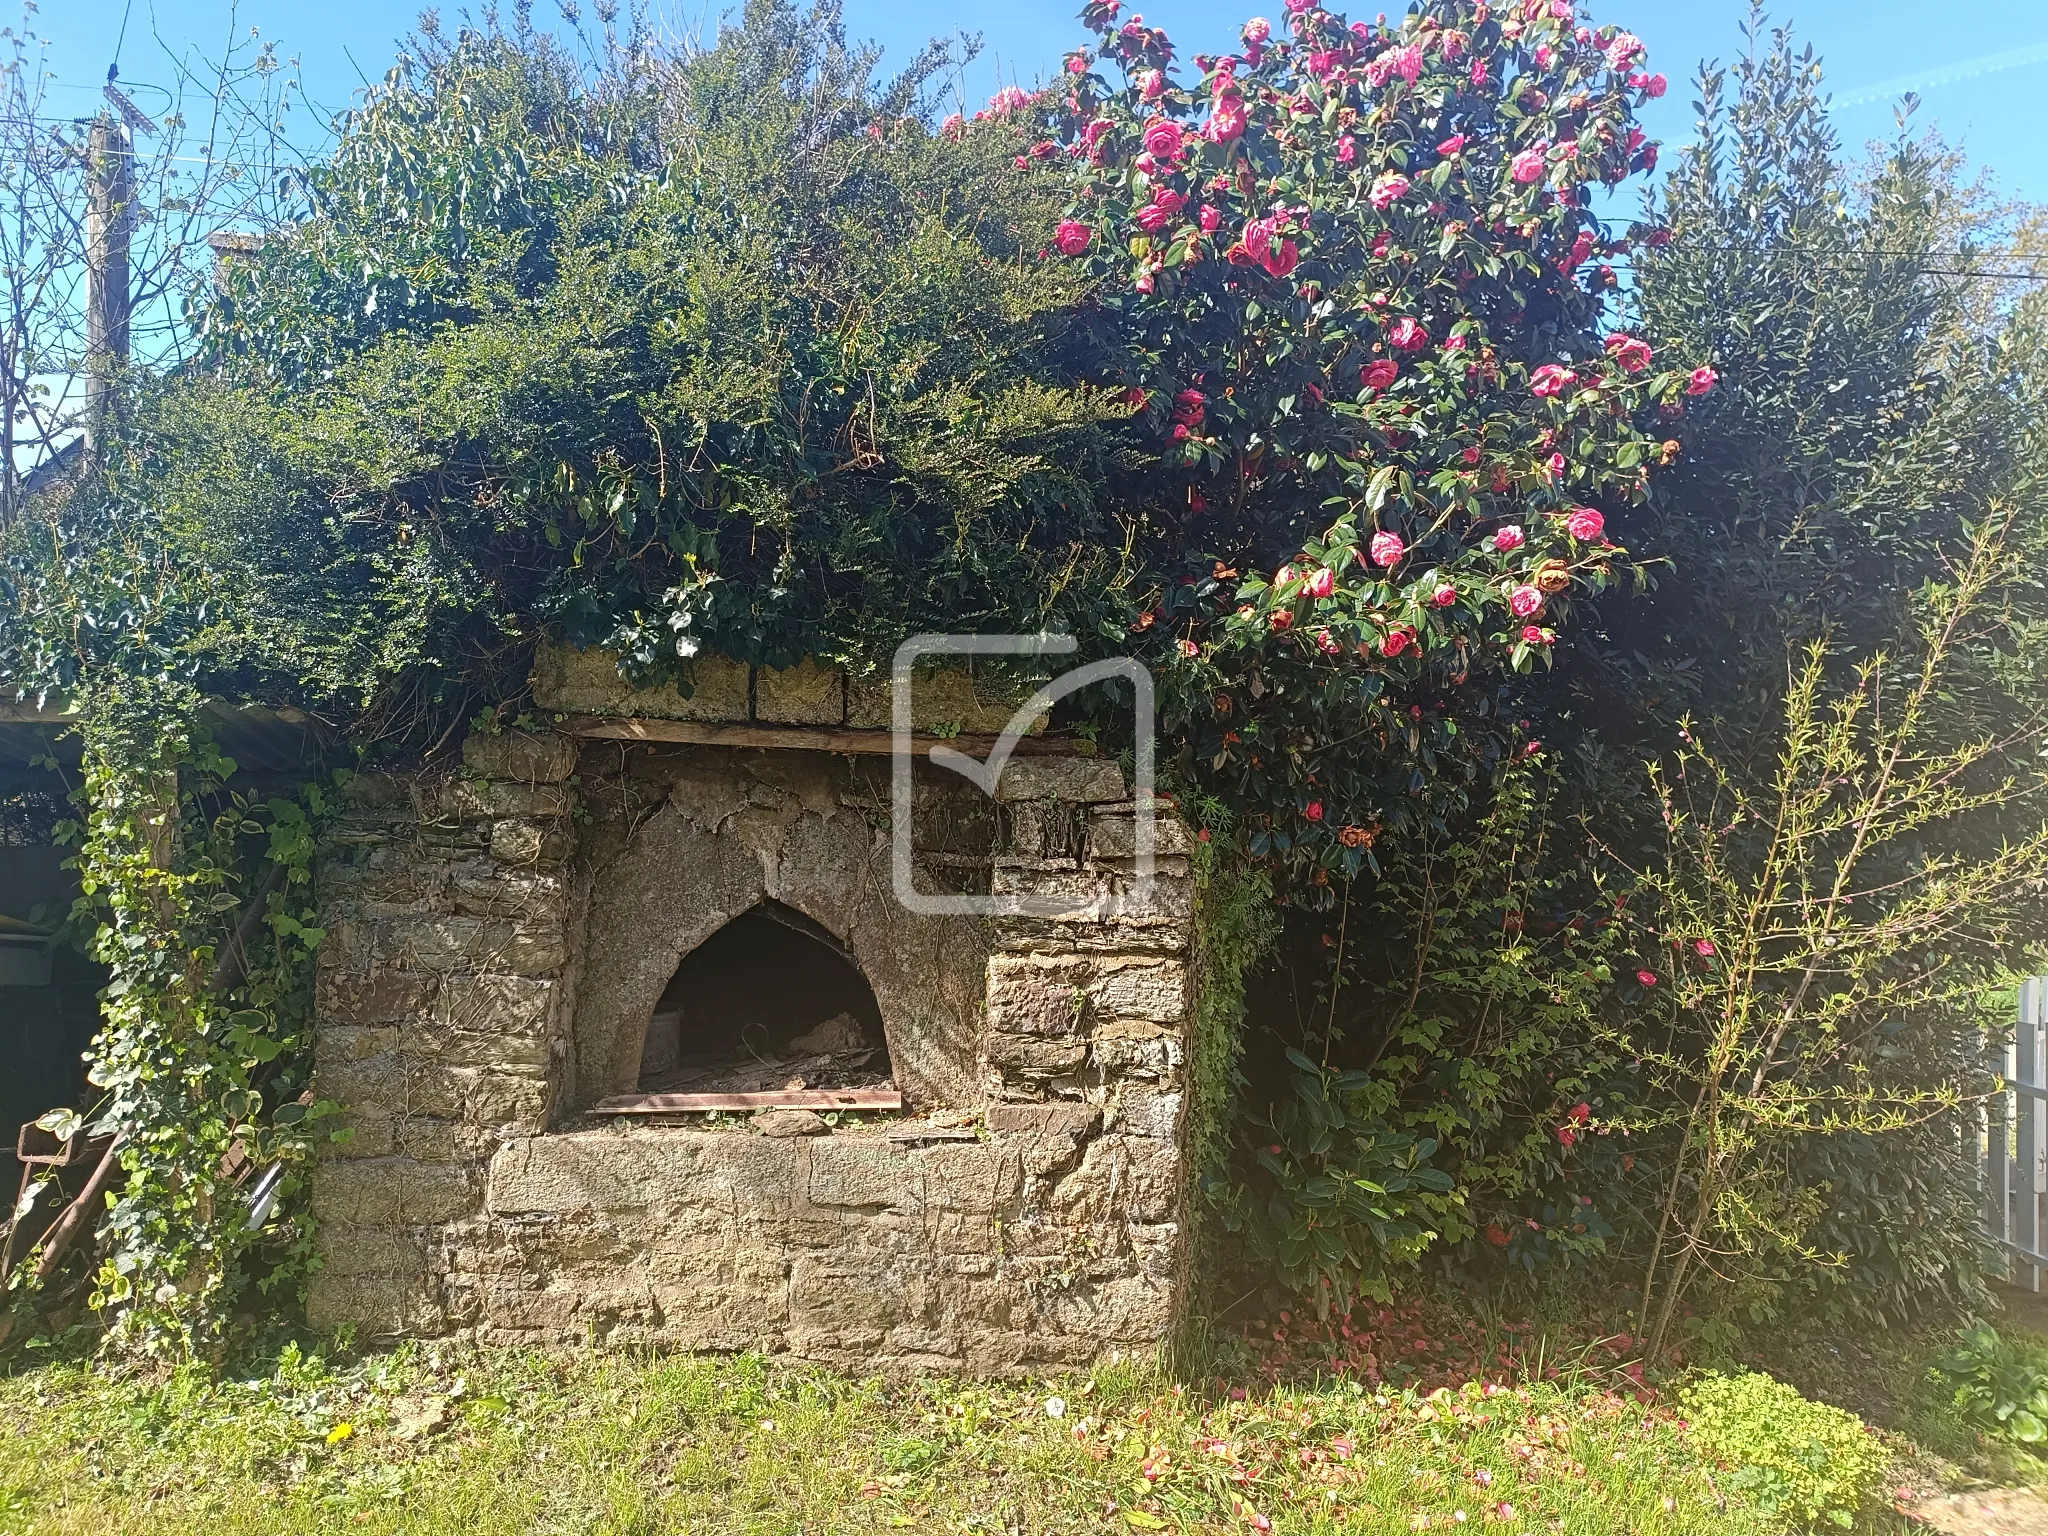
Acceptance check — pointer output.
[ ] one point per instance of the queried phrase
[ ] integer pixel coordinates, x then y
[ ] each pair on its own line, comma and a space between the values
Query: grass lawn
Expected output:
446, 1440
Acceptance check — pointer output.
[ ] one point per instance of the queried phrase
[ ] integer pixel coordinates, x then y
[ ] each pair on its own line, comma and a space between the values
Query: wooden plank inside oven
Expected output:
785, 1098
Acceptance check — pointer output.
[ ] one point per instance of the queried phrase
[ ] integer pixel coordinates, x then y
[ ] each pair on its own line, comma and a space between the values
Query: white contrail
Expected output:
1968, 69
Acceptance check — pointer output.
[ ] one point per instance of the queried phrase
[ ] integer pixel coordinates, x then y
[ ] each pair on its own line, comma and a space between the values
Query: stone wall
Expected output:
496, 940
570, 680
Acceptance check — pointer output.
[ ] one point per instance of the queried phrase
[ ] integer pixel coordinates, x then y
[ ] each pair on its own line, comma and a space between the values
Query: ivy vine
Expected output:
198, 896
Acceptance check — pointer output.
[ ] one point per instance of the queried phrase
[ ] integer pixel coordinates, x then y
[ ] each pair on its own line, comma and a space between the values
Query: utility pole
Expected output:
109, 227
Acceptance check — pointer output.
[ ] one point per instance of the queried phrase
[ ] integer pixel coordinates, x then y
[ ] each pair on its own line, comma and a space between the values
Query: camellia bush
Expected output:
1364, 308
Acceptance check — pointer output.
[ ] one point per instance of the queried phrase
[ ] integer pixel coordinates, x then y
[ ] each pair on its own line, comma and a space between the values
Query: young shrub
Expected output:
1339, 1201
1807, 1462
1997, 1386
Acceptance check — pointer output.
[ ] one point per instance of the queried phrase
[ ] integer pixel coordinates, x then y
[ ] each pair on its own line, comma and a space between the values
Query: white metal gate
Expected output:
2016, 1142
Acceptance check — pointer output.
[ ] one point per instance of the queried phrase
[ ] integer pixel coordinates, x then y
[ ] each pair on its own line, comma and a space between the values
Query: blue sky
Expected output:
1984, 83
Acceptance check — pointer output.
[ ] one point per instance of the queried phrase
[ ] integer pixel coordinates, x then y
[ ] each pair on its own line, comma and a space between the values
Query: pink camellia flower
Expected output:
1227, 119
1154, 217
1647, 978
1327, 643
1072, 237
1510, 537
1189, 648
1582, 247
1321, 582
1525, 601
1585, 524
1444, 595
1144, 283
953, 126
1535, 634
1386, 548
1451, 146
1704, 948
1396, 641
1632, 352
1381, 374
1011, 98
1347, 150
1284, 577
1408, 335
1257, 30
1555, 466
1281, 258
1702, 380
1077, 63
1454, 343
1551, 380
1151, 84
1388, 190
1162, 139
1209, 219
1528, 165
1394, 63
1624, 51
1655, 86
1478, 70
1296, 7
1313, 810
1544, 55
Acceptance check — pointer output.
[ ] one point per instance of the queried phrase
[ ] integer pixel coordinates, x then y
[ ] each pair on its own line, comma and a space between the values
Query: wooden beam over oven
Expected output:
784, 1098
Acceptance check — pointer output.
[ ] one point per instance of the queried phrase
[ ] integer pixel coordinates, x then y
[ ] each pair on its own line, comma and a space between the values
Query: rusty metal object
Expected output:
76, 1215
33, 1144
35, 1147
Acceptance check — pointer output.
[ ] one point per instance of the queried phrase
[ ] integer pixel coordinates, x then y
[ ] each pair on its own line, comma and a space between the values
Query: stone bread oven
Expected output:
527, 961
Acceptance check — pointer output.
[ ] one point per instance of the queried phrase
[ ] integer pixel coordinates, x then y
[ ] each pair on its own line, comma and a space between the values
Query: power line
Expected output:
114, 69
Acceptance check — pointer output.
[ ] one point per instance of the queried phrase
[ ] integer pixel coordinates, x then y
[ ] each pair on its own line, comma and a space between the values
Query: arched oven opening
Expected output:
770, 1003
